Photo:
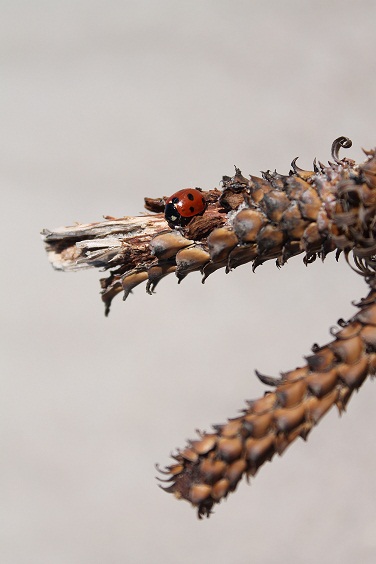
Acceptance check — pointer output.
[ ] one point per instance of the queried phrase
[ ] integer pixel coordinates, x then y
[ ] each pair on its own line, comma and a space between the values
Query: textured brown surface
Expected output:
210, 467
251, 220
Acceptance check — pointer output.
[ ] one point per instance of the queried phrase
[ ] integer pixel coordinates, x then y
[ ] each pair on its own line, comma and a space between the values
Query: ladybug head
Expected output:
173, 216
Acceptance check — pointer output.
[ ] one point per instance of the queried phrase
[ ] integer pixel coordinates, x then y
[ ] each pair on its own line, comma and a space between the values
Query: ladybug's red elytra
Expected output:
183, 205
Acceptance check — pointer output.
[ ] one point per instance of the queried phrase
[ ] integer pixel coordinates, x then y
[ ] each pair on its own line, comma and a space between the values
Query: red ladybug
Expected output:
183, 205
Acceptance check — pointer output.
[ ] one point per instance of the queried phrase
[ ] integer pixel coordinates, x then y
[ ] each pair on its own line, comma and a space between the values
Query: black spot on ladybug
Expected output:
192, 209
190, 196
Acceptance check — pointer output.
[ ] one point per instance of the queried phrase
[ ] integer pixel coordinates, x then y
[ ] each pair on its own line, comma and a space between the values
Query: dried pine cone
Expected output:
210, 467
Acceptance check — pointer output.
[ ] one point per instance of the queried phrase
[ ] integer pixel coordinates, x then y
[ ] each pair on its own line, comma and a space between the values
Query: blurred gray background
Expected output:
101, 104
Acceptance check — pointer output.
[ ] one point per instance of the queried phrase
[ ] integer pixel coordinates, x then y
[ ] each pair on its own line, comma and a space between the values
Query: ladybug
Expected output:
182, 206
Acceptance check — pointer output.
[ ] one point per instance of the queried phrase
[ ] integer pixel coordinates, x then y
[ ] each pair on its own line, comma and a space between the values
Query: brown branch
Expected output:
211, 466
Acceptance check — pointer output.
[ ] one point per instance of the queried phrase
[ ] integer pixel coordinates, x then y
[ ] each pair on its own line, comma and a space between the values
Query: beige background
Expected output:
102, 103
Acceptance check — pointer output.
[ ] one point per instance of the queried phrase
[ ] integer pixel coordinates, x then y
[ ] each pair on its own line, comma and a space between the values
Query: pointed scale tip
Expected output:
267, 380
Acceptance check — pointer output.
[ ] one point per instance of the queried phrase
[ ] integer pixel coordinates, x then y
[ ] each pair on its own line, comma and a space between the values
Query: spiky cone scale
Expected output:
250, 220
